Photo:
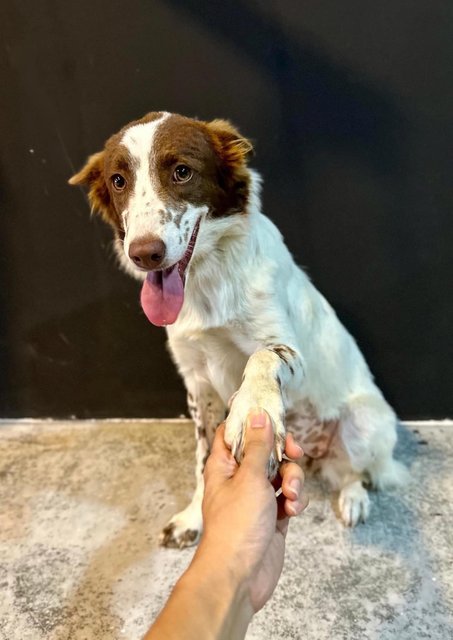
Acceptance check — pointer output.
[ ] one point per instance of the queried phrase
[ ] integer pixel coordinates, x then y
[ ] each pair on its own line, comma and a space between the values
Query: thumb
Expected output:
259, 441
220, 465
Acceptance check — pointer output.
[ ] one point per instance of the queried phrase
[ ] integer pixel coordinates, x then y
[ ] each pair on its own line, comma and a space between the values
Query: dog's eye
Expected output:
118, 182
182, 173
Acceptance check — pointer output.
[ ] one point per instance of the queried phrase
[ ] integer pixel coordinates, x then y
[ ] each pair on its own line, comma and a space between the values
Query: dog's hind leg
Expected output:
353, 500
207, 411
362, 451
368, 432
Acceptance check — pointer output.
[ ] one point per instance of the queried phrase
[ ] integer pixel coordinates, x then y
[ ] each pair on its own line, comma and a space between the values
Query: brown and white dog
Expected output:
243, 321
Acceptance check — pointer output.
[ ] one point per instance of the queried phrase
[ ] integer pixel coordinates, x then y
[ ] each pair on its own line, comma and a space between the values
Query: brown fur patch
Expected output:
99, 168
96, 175
215, 151
92, 175
234, 152
314, 436
201, 432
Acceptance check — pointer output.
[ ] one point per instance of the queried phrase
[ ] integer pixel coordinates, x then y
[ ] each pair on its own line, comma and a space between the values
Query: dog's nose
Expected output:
147, 253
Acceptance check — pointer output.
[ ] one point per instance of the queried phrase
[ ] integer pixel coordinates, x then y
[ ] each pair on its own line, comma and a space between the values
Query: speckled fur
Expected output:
252, 326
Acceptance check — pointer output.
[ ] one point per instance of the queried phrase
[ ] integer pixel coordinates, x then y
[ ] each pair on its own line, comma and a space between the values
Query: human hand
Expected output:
244, 524
240, 557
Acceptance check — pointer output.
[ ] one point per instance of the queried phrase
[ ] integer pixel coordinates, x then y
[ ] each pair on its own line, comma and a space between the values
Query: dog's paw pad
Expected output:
354, 504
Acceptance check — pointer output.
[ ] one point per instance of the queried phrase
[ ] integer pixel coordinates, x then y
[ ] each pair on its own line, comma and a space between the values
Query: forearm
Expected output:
208, 602
286, 364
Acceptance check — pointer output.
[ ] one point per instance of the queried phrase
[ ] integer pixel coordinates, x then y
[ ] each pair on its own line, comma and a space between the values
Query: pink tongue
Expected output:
162, 296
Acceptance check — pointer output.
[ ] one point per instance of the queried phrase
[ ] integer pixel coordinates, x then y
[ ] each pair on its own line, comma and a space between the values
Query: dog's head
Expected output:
156, 183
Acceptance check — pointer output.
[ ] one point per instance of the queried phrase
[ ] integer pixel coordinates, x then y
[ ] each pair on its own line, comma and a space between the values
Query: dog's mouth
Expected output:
162, 293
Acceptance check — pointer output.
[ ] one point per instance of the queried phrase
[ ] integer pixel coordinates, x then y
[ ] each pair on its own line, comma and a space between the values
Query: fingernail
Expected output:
295, 508
300, 449
257, 419
294, 485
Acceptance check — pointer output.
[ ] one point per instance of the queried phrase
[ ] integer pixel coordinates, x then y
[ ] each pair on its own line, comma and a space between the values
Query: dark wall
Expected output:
350, 106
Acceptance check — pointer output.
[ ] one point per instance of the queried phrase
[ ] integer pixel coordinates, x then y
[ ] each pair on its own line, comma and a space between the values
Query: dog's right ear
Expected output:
92, 176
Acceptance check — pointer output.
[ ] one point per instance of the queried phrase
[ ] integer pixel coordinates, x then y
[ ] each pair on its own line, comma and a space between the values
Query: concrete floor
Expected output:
82, 505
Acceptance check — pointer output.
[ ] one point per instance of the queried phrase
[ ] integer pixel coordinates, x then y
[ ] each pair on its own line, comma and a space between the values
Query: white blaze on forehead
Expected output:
146, 213
139, 141
139, 138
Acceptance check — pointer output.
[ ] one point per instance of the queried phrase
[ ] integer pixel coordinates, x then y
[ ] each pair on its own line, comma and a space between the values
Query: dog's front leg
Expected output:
207, 411
268, 377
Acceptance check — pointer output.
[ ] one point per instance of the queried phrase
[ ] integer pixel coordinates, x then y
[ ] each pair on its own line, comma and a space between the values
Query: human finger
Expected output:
221, 463
218, 444
292, 480
259, 441
295, 507
291, 500
292, 449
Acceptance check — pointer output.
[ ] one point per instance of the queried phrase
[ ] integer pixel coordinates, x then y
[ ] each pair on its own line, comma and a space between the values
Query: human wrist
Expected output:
222, 590
225, 553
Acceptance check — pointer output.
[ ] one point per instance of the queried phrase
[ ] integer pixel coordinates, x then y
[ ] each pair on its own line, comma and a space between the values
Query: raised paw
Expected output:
354, 504
242, 404
183, 530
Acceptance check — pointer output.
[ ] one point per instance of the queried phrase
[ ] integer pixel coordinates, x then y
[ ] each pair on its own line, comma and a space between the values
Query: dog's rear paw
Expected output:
183, 530
354, 504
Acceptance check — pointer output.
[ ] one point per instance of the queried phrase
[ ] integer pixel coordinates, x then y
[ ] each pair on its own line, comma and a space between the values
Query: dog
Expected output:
246, 327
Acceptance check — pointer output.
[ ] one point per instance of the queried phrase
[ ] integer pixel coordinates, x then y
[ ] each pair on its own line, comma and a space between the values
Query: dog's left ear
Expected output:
92, 176
230, 145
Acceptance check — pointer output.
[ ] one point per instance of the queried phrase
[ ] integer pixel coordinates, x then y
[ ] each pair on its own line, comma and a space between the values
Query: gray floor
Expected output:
82, 505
